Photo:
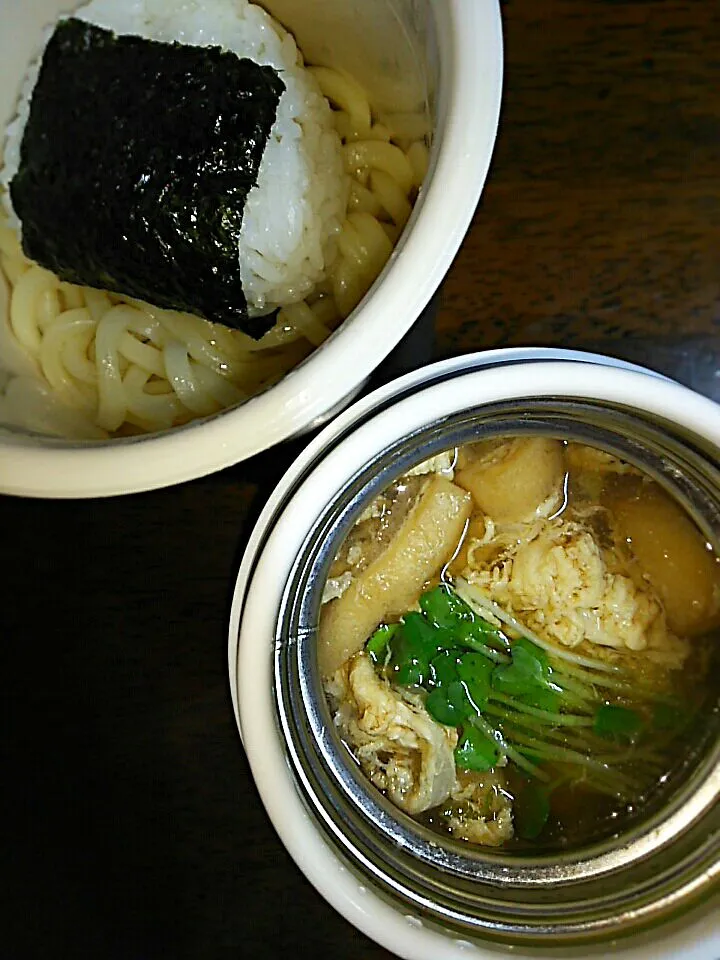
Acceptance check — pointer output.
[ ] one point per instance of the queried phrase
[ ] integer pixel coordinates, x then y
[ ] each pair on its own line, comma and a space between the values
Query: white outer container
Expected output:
412, 402
466, 39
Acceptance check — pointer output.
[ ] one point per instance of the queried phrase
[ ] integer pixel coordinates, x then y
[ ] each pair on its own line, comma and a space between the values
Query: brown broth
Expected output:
605, 566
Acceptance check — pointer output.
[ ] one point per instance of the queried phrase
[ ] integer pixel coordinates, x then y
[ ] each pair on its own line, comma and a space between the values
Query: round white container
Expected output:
447, 50
325, 468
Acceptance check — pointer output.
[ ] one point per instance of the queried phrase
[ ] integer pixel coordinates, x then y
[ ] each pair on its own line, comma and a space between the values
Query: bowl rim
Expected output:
65, 469
262, 578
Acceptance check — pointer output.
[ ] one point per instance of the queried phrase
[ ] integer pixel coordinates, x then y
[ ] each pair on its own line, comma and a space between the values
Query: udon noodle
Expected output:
125, 366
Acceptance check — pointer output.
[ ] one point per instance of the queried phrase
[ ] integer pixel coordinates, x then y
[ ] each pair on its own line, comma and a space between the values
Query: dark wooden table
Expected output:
134, 829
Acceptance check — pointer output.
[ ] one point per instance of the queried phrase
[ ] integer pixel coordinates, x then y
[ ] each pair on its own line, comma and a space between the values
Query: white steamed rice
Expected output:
292, 216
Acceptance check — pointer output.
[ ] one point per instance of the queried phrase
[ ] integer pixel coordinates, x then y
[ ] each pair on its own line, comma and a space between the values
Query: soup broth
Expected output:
515, 642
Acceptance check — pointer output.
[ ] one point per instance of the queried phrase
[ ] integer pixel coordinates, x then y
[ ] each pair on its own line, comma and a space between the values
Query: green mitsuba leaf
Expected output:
528, 677
618, 723
475, 751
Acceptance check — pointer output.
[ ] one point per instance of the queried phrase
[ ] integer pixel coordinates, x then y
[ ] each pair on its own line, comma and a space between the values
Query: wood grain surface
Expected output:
134, 830
601, 218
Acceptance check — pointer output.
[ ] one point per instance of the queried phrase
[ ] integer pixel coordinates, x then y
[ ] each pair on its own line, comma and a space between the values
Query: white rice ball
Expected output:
296, 210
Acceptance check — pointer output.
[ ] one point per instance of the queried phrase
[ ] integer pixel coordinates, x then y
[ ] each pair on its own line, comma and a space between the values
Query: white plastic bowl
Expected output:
324, 468
465, 39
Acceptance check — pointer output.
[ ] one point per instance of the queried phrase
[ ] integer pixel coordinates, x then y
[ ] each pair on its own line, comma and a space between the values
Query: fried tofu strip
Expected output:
391, 584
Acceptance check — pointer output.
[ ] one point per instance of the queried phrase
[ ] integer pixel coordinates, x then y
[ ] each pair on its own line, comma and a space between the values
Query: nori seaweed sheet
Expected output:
136, 162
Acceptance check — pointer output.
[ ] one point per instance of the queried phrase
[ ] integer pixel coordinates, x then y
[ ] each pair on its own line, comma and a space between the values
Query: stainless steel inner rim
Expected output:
667, 859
